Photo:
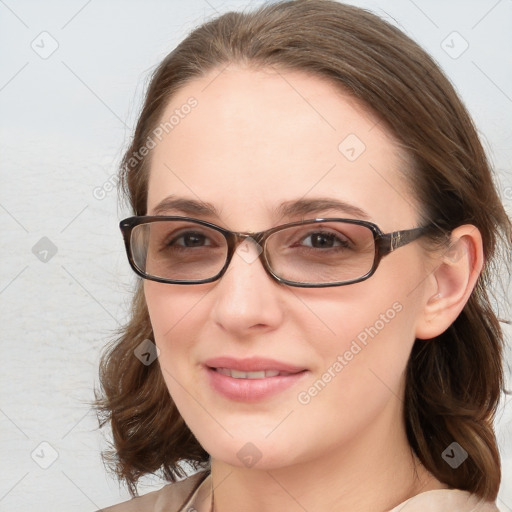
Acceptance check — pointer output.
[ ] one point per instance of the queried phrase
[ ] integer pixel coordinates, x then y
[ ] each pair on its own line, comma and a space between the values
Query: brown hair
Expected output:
453, 382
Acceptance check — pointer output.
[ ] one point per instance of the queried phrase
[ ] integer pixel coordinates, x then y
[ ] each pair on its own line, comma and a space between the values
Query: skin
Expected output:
256, 139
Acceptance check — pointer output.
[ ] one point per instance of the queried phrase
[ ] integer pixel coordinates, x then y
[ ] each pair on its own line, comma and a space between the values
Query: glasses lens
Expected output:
179, 250
326, 252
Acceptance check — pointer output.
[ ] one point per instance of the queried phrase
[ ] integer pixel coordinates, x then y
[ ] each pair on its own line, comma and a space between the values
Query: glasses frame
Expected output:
385, 243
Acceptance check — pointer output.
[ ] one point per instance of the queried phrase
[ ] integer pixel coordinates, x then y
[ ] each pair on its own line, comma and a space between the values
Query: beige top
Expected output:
193, 495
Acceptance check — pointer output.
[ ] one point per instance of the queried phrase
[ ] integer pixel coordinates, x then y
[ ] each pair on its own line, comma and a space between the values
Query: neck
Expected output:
376, 473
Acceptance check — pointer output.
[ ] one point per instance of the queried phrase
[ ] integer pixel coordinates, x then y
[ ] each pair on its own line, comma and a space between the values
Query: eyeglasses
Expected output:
311, 253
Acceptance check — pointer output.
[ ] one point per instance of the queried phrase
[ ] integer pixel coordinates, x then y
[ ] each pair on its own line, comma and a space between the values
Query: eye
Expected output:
191, 239
324, 240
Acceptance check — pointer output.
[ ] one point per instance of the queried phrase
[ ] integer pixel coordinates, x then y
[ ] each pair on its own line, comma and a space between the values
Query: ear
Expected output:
456, 270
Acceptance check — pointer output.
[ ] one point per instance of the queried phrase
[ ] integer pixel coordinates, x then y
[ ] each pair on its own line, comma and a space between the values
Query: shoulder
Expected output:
446, 500
171, 498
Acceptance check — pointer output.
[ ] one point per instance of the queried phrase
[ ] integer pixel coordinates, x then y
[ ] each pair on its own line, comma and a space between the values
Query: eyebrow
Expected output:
307, 206
287, 209
187, 206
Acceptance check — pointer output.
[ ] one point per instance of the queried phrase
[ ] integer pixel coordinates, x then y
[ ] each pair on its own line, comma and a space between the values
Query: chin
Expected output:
249, 448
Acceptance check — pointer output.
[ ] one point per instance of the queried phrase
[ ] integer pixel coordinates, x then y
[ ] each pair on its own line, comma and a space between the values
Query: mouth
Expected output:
251, 379
263, 374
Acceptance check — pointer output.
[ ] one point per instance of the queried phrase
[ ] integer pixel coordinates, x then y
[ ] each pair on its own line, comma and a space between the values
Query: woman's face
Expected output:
253, 142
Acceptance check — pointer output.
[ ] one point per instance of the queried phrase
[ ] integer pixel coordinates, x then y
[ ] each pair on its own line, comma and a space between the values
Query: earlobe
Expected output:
454, 276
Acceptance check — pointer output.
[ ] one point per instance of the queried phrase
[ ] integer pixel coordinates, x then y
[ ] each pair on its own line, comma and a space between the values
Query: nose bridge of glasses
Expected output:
247, 246
240, 243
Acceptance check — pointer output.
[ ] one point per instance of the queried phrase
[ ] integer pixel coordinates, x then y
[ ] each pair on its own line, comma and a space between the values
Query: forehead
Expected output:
248, 140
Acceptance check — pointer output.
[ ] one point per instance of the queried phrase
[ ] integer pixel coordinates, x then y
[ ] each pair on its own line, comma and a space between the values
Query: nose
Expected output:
246, 299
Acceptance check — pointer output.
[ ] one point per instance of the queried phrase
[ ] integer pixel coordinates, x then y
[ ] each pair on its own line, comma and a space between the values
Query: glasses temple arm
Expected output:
392, 241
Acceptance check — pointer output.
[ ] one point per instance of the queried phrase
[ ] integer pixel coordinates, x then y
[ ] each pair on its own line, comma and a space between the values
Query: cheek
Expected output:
368, 337
174, 313
171, 310
171, 305
360, 371
361, 312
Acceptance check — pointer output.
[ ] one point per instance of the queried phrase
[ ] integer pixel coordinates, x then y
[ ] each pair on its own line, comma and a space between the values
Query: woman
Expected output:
315, 222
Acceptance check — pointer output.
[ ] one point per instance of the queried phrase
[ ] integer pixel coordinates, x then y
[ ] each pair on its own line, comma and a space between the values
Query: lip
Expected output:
252, 390
252, 364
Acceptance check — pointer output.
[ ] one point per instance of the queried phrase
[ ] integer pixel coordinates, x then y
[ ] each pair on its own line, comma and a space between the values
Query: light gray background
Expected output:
64, 120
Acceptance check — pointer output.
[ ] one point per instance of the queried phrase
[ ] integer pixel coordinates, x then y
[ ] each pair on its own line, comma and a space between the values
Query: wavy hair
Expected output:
454, 381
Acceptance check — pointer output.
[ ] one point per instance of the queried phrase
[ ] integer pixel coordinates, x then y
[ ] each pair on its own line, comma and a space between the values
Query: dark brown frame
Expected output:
385, 243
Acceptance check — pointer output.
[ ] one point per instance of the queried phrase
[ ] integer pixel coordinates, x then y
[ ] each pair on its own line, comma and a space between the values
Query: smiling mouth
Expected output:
251, 380
263, 374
